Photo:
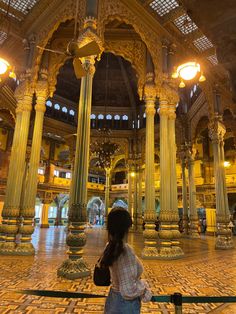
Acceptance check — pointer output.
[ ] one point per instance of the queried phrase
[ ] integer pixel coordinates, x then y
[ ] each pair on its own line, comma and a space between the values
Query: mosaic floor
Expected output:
203, 271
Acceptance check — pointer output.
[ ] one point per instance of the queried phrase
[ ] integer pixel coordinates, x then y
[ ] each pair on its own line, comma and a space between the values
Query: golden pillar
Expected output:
44, 214
224, 235
169, 216
193, 232
27, 211
75, 266
11, 210
150, 234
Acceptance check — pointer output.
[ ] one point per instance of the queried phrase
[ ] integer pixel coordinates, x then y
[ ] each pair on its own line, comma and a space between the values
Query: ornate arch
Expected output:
134, 52
64, 13
113, 9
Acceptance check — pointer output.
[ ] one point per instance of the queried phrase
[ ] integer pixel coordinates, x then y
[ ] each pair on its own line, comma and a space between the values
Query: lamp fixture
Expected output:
227, 164
187, 72
6, 70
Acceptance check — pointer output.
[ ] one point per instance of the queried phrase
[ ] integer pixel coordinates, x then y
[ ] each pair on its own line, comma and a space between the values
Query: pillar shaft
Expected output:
139, 200
75, 266
27, 211
224, 235
184, 197
11, 210
169, 216
192, 197
150, 234
44, 216
107, 191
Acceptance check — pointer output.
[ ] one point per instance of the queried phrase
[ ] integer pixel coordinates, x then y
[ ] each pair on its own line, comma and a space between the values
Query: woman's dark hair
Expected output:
118, 224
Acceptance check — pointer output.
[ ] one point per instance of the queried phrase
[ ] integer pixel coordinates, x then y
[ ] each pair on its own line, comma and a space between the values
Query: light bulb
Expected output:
175, 75
202, 78
12, 75
189, 70
181, 84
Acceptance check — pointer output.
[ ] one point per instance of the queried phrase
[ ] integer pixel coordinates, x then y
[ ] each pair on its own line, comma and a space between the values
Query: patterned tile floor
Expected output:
203, 271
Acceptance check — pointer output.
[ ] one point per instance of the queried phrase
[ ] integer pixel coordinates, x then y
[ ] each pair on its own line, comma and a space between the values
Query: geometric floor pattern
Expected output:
203, 271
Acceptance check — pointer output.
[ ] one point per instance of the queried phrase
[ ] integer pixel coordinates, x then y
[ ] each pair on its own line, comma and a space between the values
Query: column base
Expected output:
224, 243
194, 235
169, 253
44, 226
20, 249
150, 252
73, 269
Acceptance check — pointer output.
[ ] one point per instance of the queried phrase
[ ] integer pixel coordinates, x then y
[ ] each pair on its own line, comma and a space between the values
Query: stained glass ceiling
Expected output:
163, 7
22, 6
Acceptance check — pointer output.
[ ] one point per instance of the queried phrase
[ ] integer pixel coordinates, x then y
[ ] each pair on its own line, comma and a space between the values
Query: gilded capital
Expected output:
150, 88
168, 94
217, 130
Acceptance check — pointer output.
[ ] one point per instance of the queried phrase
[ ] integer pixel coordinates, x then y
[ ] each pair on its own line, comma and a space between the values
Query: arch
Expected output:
125, 117
92, 116
116, 10
72, 112
100, 116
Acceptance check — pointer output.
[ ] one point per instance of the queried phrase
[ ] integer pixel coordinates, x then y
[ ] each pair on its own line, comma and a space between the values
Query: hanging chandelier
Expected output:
187, 72
104, 149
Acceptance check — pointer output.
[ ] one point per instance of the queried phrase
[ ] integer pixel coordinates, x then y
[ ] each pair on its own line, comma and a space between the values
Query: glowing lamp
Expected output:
132, 174
181, 84
227, 164
188, 71
4, 66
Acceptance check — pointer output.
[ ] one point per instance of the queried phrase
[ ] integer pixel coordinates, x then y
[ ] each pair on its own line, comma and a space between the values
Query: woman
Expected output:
127, 289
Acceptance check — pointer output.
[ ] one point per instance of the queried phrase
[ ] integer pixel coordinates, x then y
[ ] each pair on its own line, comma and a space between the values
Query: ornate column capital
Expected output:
24, 94
41, 91
150, 94
217, 130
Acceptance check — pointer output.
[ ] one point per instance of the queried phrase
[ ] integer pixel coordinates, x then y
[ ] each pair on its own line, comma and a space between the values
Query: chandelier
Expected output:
104, 149
187, 72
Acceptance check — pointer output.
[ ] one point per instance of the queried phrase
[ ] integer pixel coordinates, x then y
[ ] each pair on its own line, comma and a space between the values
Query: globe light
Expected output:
4, 66
132, 174
188, 71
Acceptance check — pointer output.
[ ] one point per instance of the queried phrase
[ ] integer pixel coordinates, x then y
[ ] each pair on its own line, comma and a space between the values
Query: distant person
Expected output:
127, 289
